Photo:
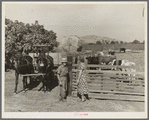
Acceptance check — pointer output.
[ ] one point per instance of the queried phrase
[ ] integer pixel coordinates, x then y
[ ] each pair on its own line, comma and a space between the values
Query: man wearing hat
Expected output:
62, 77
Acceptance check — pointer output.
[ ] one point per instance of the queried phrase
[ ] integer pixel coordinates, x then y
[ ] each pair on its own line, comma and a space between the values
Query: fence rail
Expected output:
107, 84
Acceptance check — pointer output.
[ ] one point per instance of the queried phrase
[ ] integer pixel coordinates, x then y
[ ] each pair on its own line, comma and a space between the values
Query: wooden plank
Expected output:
113, 92
115, 85
117, 97
109, 77
134, 82
114, 89
112, 86
129, 90
117, 73
114, 96
122, 76
97, 89
141, 74
38, 74
105, 66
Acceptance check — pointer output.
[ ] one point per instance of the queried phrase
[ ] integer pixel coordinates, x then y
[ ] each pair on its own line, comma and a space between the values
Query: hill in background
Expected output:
86, 40
73, 42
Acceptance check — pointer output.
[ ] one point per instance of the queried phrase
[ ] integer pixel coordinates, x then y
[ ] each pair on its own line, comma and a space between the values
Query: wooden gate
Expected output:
108, 84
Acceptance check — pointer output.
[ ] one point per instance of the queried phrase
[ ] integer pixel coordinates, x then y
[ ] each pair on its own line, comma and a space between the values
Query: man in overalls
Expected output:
62, 77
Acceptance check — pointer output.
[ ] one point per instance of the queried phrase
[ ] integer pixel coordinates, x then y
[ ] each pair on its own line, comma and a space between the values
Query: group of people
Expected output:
82, 87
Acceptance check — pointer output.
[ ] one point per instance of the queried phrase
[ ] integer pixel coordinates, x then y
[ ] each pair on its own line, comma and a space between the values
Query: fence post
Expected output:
69, 59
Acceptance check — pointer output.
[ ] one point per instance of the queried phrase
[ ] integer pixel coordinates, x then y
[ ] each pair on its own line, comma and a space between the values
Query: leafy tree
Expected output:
90, 43
107, 42
116, 42
112, 42
136, 42
19, 37
98, 43
79, 49
121, 42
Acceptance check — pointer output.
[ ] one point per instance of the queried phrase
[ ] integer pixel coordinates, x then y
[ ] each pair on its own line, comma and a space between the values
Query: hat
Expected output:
64, 60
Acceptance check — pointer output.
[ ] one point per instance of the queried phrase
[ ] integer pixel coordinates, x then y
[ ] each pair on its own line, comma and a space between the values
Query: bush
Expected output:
112, 42
98, 43
136, 42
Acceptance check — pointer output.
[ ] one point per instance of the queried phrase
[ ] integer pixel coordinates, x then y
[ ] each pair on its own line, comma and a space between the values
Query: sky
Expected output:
117, 20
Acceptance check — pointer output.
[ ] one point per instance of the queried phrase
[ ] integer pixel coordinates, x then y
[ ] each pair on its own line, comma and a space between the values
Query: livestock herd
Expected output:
111, 60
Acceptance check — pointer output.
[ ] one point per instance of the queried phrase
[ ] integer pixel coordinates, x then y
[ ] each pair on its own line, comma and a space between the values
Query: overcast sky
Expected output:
122, 21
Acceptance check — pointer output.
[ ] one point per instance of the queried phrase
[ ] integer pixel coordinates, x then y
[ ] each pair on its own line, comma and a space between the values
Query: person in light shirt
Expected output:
62, 74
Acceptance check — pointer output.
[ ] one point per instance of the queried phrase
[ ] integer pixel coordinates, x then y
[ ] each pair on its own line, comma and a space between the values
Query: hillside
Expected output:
86, 39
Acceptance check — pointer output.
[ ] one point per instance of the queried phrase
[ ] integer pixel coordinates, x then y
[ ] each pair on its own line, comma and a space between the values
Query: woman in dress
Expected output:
81, 81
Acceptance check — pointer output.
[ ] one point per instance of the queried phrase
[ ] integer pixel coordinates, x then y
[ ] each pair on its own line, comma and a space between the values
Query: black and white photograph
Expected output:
74, 59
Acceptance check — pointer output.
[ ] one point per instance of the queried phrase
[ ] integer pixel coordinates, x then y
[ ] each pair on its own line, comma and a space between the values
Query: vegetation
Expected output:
112, 42
19, 37
79, 48
98, 43
136, 42
95, 48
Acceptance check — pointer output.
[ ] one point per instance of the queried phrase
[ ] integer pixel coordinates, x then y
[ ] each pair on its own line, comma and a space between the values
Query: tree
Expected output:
121, 42
19, 37
112, 42
136, 42
116, 42
98, 43
79, 49
90, 43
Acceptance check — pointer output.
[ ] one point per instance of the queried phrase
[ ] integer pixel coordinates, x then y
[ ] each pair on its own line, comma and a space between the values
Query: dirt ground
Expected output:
38, 101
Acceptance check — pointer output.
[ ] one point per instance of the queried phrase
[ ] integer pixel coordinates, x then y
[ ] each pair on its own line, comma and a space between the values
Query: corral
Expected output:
48, 102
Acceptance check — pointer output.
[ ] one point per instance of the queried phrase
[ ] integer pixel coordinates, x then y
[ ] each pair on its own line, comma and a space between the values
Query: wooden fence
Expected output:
108, 84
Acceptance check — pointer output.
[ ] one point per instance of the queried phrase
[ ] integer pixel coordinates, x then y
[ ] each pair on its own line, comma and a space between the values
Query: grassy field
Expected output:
137, 57
38, 101
113, 46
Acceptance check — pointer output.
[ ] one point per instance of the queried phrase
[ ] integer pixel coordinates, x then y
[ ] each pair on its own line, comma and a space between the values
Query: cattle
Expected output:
100, 59
22, 65
123, 49
125, 63
106, 59
129, 63
46, 65
111, 52
89, 59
